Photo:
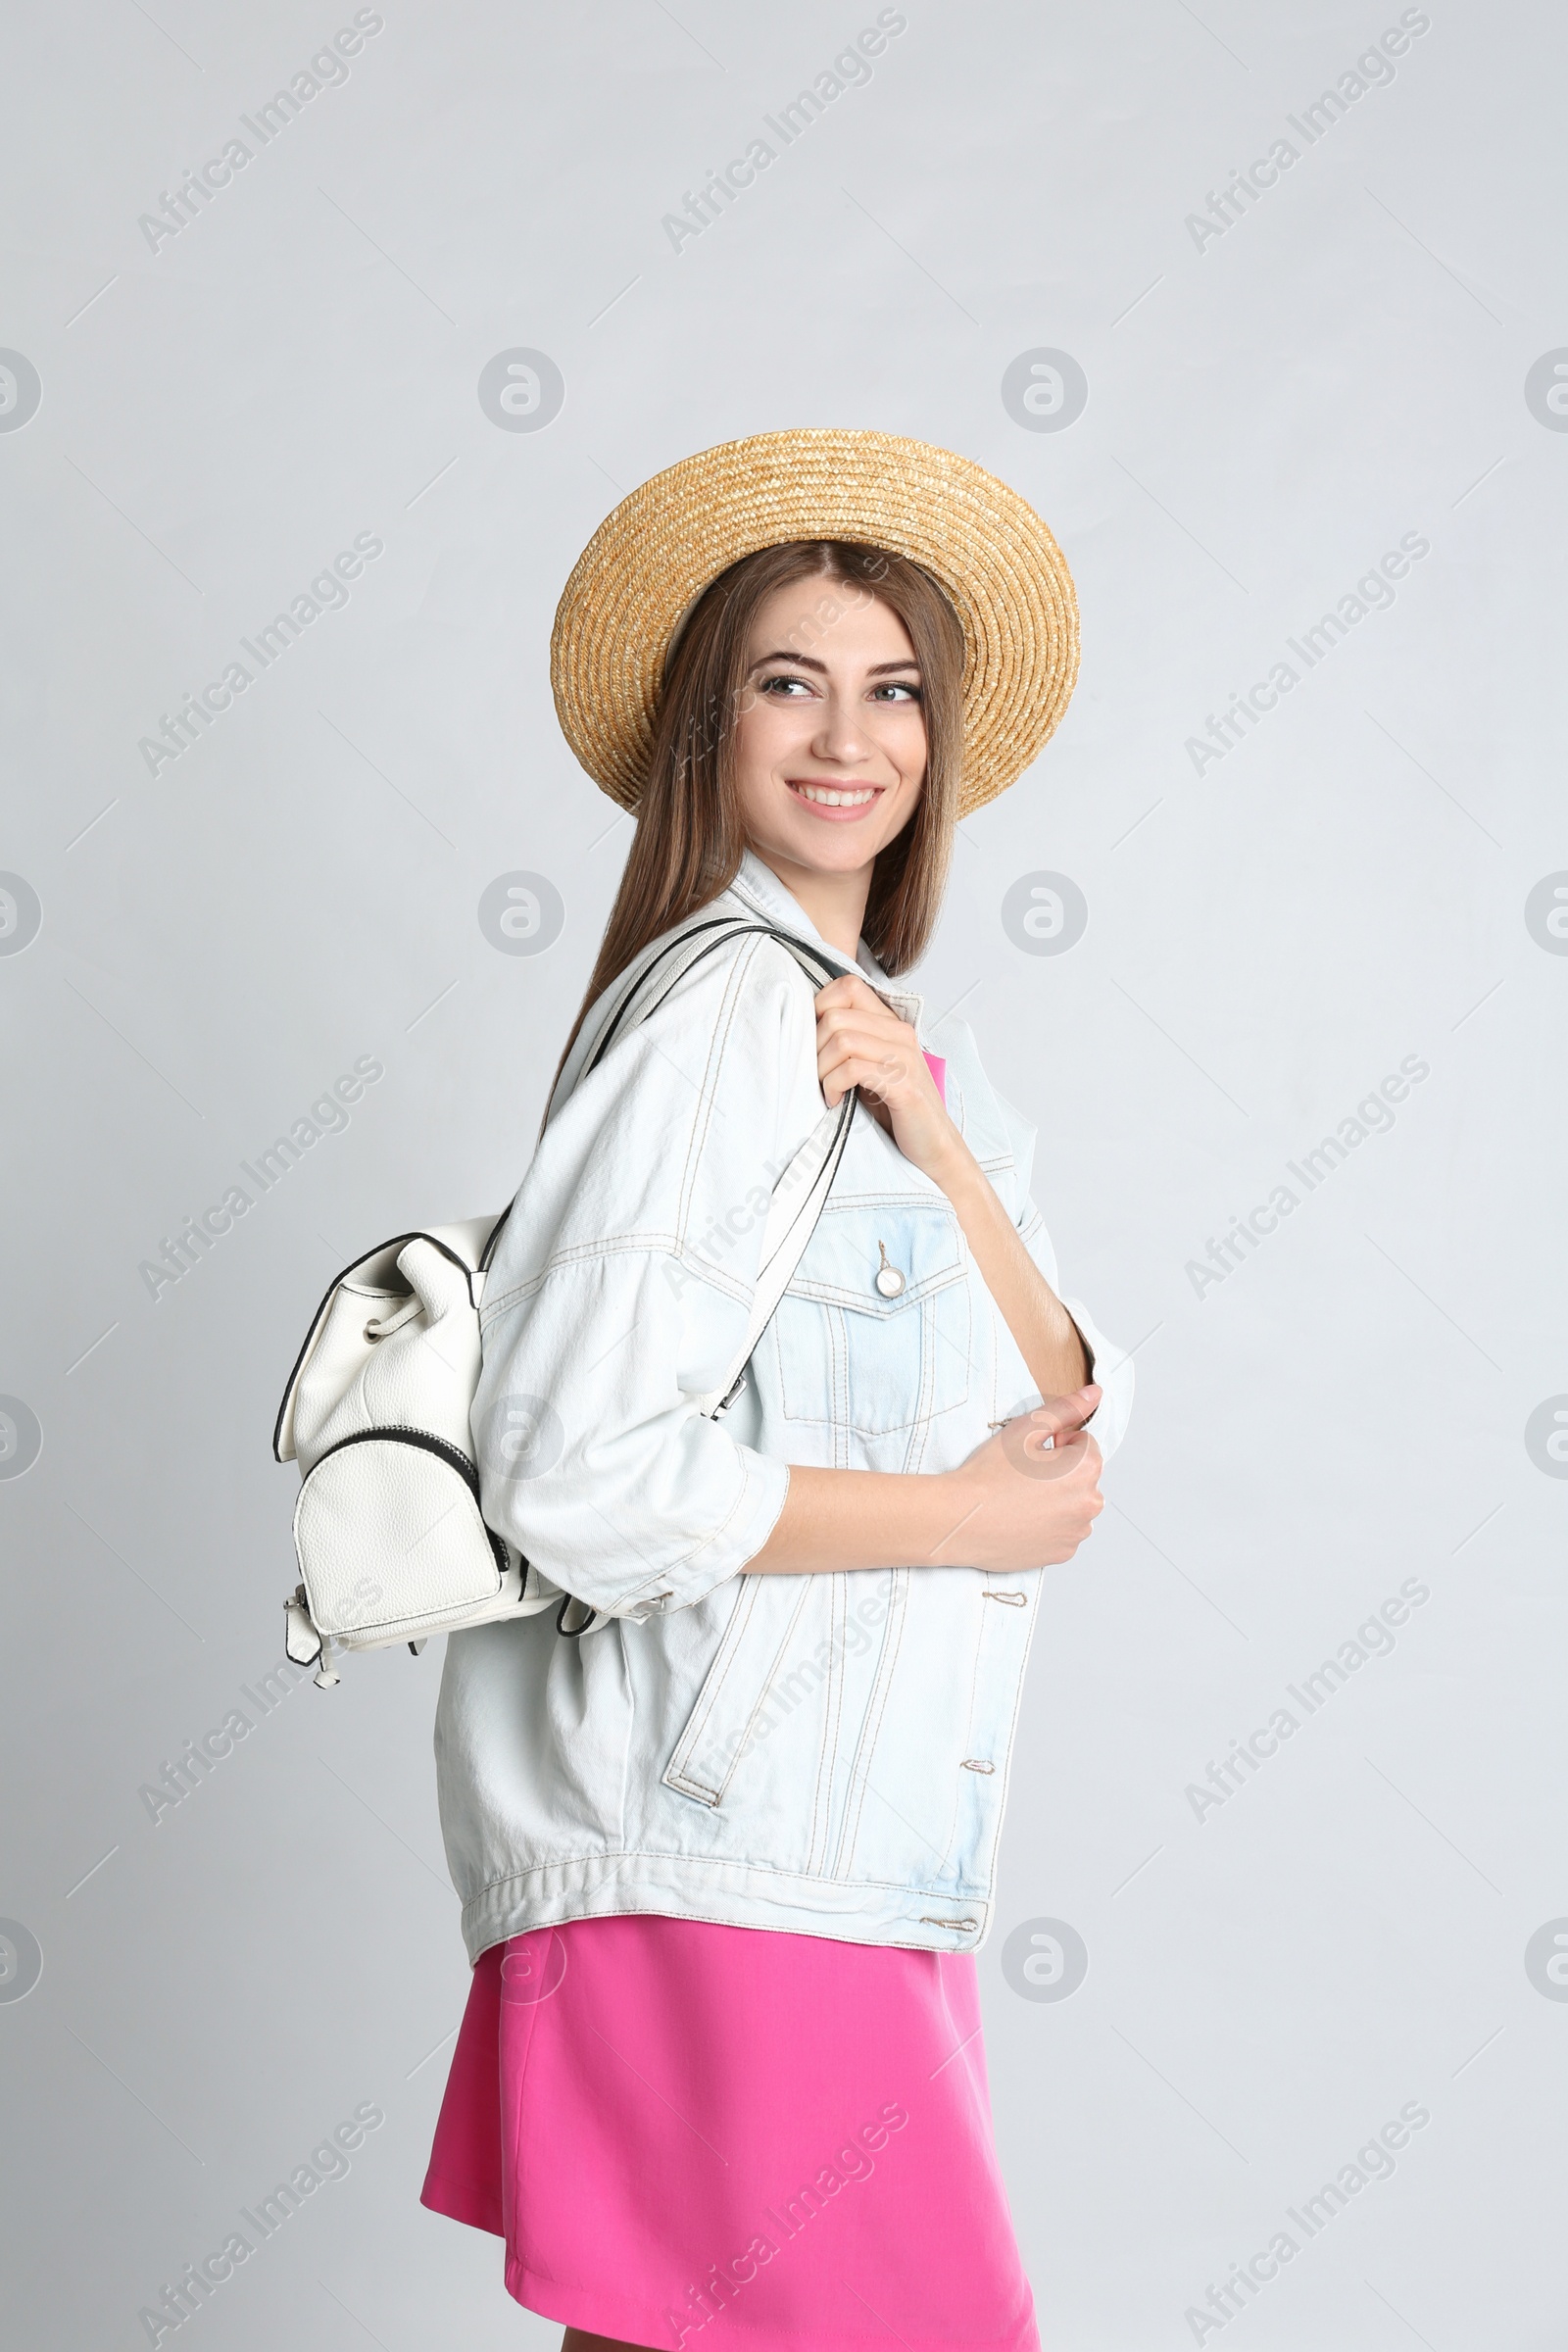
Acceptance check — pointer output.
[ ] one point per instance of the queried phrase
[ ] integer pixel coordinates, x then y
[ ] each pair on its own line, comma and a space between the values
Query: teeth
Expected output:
856, 798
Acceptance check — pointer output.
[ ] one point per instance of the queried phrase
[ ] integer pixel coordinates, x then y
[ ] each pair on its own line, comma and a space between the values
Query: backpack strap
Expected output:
802, 1191
797, 1198
650, 978
669, 966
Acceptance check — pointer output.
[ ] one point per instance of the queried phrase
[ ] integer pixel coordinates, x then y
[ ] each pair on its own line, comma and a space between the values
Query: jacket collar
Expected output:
760, 892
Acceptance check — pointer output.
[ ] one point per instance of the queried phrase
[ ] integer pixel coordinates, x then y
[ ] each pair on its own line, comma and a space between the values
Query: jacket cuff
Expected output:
724, 1554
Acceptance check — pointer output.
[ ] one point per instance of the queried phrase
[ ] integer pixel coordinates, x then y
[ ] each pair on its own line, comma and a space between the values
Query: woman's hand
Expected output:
860, 1042
1030, 1494
1024, 1499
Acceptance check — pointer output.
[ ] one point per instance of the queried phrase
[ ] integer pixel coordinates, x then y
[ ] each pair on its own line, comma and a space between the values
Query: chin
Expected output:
835, 850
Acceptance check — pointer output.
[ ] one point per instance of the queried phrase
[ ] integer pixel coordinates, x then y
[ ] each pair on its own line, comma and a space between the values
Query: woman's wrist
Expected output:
952, 1166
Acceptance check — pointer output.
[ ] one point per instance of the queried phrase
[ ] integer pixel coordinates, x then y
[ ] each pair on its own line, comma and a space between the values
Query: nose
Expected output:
840, 735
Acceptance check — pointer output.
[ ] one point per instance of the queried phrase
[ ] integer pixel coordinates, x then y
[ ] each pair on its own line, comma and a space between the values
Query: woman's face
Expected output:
830, 733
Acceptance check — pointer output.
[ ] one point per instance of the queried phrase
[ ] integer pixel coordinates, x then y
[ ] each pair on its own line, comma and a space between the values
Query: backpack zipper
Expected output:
453, 1455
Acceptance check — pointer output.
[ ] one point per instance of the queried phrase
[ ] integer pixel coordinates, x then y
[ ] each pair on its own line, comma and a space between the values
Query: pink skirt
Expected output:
677, 2125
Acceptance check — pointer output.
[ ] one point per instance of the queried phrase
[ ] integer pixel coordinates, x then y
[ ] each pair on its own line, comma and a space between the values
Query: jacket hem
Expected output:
733, 1895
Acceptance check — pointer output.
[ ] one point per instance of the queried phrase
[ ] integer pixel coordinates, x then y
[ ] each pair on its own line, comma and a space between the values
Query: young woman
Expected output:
726, 1859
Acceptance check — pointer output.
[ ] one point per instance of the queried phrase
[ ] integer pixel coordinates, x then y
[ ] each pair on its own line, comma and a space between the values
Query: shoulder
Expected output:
693, 1082
693, 1071
716, 988
714, 983
727, 953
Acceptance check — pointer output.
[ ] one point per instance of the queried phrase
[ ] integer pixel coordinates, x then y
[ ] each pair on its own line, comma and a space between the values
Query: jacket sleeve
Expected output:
621, 1290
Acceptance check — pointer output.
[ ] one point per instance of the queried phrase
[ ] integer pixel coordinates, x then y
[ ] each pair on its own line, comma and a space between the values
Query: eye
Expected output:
892, 690
782, 687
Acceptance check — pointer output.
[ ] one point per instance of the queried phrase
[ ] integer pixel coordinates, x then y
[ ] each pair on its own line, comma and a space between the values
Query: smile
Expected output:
836, 796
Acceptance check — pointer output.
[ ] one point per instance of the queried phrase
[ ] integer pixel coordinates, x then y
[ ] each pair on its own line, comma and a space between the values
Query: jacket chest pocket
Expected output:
874, 1331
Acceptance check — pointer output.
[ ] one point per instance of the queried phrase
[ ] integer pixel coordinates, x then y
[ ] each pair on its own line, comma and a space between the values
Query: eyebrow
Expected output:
809, 661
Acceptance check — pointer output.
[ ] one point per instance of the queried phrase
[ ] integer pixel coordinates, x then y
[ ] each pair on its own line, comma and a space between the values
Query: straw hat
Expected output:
648, 563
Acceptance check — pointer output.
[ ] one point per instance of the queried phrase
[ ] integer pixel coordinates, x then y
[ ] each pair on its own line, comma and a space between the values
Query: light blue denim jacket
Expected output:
823, 1753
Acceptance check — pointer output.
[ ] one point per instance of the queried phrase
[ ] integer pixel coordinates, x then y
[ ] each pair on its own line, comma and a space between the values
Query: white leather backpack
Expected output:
391, 1542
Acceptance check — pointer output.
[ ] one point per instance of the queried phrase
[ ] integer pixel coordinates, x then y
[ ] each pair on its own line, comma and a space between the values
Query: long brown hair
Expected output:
691, 836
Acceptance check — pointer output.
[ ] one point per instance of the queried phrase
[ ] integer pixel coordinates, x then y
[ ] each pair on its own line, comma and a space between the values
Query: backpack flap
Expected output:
385, 1357
376, 1286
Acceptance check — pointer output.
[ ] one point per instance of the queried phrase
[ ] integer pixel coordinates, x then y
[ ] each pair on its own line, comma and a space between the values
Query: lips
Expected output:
835, 801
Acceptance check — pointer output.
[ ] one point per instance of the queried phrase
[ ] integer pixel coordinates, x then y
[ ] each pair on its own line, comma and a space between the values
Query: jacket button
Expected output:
889, 1281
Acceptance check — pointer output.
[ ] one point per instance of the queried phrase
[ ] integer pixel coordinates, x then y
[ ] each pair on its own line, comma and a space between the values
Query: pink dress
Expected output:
677, 2125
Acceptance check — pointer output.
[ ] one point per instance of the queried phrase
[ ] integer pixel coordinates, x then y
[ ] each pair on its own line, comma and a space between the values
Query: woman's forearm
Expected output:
1026, 1498
860, 1519
1046, 1335
862, 1042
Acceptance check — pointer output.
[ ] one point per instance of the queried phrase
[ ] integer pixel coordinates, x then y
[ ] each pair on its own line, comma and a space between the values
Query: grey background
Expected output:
1266, 416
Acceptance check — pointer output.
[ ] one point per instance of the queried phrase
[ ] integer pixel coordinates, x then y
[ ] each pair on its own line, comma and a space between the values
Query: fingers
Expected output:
836, 1084
887, 1055
890, 1049
1051, 1441
860, 1042
1076, 1507
1065, 1414
1047, 1527
848, 990
884, 1076
1039, 1453
862, 1016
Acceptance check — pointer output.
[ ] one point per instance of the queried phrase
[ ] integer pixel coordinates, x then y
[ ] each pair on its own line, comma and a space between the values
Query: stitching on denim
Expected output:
716, 1862
871, 1729
832, 1722
707, 1096
586, 1253
747, 1598
687, 1559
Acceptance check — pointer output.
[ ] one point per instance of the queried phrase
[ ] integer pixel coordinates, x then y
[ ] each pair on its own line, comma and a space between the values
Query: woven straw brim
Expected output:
649, 562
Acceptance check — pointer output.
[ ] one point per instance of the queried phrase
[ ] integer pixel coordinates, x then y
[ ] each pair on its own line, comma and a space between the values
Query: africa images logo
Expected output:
20, 391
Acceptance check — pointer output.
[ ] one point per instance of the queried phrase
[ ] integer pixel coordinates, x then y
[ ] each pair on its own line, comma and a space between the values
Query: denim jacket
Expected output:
825, 1753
